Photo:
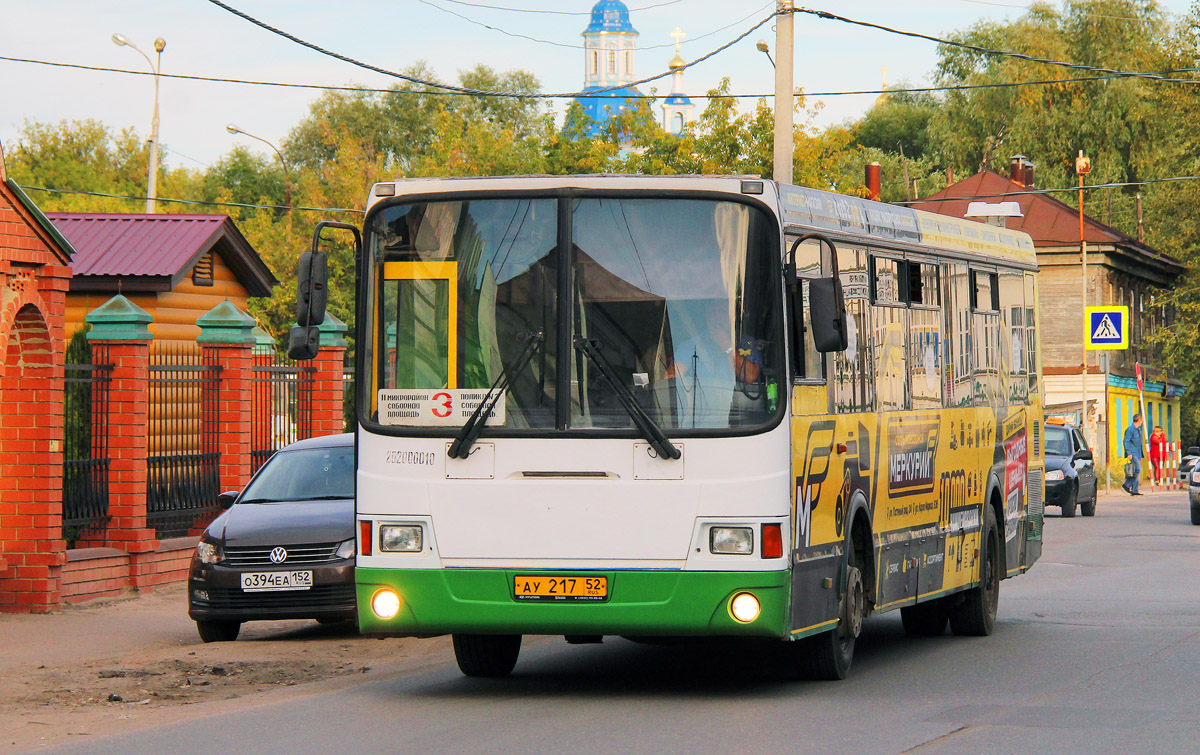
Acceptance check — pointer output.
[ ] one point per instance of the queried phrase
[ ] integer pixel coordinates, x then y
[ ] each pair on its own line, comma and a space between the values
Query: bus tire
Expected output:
925, 619
975, 616
487, 655
828, 656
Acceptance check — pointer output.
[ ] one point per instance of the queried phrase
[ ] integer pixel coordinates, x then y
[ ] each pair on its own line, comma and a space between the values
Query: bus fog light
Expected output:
385, 604
731, 540
744, 607
400, 538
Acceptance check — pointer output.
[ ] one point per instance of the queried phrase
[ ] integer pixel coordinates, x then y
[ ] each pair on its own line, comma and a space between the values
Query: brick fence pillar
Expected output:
327, 387
120, 327
226, 339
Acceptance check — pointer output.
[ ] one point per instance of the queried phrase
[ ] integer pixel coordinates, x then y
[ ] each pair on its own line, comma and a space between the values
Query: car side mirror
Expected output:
226, 499
1083, 454
1193, 451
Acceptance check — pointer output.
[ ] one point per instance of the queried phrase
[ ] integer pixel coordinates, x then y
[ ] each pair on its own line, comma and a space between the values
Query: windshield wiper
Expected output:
650, 431
460, 448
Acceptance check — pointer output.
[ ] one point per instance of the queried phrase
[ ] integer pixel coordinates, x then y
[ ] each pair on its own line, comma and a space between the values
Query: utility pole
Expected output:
785, 102
1083, 166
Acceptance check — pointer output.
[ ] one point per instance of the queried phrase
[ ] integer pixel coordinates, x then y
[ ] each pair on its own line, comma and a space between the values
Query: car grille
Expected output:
317, 596
297, 555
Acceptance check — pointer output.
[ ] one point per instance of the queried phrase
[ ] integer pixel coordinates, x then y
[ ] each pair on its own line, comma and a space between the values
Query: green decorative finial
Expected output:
333, 331
119, 319
263, 342
225, 323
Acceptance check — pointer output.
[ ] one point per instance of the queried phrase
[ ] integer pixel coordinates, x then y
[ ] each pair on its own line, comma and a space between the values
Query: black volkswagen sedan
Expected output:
284, 547
1070, 470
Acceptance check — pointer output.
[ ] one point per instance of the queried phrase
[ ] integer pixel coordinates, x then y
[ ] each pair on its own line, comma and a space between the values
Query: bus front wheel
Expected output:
975, 616
488, 655
827, 656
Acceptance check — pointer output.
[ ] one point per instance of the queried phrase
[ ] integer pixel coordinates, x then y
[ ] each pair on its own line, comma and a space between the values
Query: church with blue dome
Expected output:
609, 47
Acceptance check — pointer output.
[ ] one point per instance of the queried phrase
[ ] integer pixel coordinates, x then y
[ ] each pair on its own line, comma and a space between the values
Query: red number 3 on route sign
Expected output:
447, 405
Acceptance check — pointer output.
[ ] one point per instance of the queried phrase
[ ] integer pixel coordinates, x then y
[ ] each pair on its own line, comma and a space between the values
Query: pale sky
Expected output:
203, 39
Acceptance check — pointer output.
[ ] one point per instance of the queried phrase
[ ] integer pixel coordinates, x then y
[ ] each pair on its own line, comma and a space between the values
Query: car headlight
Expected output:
1054, 475
346, 549
400, 538
1196, 477
208, 552
731, 540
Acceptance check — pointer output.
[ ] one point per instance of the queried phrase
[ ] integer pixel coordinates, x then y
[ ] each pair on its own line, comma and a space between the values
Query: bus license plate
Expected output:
546, 587
276, 580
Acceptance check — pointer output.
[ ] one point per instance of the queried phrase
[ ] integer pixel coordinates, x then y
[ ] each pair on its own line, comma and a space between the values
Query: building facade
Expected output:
1121, 270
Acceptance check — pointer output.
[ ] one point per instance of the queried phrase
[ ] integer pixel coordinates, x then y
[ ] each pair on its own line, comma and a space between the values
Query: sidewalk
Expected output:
103, 668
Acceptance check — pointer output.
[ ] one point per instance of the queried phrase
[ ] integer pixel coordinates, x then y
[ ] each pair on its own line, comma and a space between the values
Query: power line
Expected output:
1030, 7
1065, 190
967, 46
470, 20
192, 201
469, 90
554, 12
426, 92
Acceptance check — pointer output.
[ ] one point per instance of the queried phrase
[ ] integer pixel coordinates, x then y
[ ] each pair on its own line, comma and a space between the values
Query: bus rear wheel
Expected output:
487, 655
975, 616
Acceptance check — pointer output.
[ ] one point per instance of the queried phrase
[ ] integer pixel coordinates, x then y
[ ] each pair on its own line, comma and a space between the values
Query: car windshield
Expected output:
677, 295
308, 474
1058, 441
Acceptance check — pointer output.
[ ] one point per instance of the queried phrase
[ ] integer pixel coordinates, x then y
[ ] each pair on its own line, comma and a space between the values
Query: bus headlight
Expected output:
744, 607
400, 538
731, 540
385, 604
1054, 475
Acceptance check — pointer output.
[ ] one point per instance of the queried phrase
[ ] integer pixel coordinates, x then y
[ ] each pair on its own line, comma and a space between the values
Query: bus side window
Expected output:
809, 363
958, 327
889, 333
1013, 336
985, 338
853, 369
1031, 341
925, 332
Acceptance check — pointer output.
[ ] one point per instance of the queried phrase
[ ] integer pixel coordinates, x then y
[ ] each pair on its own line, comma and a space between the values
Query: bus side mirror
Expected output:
828, 314
303, 342
312, 282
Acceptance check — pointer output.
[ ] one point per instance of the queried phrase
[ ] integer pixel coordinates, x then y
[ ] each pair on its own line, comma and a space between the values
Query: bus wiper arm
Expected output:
650, 431
460, 448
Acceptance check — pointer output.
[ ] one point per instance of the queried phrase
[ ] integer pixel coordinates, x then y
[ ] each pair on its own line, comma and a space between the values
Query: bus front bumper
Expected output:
650, 603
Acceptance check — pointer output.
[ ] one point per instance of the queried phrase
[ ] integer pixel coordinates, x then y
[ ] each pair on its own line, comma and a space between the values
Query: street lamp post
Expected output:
160, 44
765, 49
287, 179
785, 101
1083, 166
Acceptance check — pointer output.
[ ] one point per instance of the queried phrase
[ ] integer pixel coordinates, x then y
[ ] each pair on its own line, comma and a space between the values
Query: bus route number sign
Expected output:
434, 407
1106, 328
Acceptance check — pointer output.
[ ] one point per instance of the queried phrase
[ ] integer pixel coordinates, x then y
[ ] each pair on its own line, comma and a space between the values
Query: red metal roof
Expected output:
158, 246
1050, 222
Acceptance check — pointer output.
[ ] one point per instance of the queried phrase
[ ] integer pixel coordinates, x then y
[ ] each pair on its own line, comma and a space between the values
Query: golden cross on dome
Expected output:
678, 36
884, 71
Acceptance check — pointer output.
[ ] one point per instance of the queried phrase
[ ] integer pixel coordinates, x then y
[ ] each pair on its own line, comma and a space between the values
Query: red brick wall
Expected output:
33, 283
327, 391
92, 573
234, 410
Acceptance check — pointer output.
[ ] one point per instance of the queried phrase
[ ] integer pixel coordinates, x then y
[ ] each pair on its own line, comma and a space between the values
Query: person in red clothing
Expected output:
1158, 453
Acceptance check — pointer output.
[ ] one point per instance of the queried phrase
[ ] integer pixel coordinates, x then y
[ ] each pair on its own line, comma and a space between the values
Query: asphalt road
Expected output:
1096, 650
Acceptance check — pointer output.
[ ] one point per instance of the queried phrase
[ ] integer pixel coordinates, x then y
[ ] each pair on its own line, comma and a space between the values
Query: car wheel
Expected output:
1196, 515
1088, 507
488, 655
218, 631
976, 615
1068, 507
925, 619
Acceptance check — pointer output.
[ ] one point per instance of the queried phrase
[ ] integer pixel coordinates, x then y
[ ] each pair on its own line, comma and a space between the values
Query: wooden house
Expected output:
176, 267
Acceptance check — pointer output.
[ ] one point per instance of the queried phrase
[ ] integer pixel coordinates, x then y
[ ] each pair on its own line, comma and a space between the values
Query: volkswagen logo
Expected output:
278, 555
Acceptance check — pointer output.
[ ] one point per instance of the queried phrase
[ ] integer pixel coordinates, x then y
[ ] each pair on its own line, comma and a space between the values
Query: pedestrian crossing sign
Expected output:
1107, 328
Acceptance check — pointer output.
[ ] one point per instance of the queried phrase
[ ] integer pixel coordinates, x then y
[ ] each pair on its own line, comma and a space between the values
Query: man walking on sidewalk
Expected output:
1133, 451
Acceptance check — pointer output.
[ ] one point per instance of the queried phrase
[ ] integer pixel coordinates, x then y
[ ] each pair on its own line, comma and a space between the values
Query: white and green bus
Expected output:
660, 407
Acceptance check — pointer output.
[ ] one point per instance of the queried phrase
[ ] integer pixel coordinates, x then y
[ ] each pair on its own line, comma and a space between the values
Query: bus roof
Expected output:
799, 205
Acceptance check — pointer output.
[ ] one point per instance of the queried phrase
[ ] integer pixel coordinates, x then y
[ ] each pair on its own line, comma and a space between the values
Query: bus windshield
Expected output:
678, 296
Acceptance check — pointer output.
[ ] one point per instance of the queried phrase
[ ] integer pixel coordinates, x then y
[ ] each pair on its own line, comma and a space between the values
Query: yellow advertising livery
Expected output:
660, 407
